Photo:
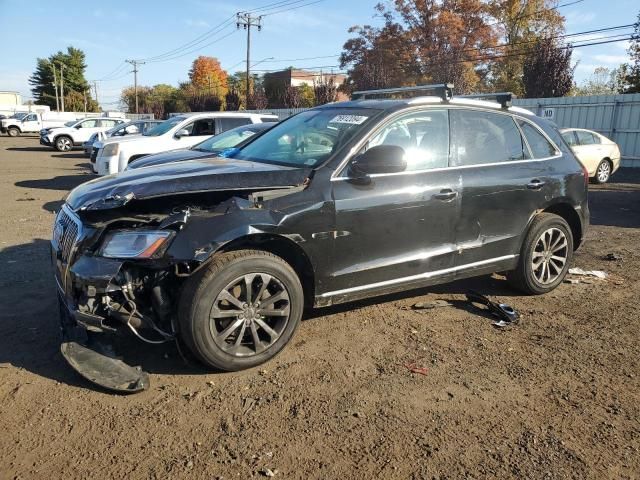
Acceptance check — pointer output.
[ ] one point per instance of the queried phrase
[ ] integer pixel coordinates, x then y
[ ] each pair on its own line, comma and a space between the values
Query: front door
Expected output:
30, 123
504, 181
400, 227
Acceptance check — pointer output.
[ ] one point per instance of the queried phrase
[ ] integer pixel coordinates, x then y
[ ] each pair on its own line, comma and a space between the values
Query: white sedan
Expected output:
599, 155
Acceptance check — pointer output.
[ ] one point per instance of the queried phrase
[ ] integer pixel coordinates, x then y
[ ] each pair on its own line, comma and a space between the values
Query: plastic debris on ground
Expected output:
588, 273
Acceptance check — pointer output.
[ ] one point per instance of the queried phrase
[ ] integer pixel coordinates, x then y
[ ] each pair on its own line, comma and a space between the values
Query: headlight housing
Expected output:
111, 149
135, 244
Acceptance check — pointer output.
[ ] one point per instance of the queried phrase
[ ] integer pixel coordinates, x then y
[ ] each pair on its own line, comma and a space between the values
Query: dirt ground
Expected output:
557, 396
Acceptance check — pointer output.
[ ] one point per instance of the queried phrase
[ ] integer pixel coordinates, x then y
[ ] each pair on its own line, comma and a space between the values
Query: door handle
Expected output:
446, 194
535, 184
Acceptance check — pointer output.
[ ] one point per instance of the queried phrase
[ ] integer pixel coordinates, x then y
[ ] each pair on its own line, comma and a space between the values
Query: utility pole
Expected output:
135, 64
62, 86
85, 101
247, 21
95, 90
55, 87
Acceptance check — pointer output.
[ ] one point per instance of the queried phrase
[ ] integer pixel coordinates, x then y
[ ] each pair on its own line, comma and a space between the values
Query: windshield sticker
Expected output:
350, 119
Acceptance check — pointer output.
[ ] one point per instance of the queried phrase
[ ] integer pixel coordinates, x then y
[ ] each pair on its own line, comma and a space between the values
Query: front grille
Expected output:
66, 231
94, 154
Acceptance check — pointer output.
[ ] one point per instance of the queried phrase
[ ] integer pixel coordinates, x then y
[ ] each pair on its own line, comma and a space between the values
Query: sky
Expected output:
111, 31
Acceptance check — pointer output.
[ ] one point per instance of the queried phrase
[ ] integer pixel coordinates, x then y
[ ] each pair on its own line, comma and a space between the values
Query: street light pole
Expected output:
55, 86
62, 86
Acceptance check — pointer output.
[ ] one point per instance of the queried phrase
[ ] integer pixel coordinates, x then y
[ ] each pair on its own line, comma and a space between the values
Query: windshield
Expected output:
228, 139
117, 128
19, 115
163, 127
308, 138
71, 123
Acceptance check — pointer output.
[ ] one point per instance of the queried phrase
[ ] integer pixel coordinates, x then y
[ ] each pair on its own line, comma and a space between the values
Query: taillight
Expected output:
585, 173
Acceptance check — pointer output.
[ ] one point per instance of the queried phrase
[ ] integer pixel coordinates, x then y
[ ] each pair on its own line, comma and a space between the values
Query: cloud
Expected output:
611, 59
196, 23
576, 18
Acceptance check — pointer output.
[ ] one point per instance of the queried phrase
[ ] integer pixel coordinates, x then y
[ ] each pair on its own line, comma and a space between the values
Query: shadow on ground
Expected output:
62, 182
617, 204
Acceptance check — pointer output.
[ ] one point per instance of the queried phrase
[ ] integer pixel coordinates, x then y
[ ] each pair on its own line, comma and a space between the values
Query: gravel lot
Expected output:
557, 396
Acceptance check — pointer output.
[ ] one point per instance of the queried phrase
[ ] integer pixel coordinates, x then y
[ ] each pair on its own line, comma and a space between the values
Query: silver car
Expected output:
134, 127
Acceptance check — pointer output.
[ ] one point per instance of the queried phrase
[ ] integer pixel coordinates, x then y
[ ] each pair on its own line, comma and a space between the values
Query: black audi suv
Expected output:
337, 203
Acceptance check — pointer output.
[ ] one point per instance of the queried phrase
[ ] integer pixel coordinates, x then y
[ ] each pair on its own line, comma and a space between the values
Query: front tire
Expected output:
240, 310
545, 256
13, 132
603, 172
64, 143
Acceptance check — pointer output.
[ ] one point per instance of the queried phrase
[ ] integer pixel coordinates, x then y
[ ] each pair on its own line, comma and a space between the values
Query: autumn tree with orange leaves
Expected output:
207, 76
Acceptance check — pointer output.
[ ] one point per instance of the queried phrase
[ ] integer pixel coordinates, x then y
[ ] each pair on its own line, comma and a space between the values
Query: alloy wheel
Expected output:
64, 144
549, 256
604, 170
250, 314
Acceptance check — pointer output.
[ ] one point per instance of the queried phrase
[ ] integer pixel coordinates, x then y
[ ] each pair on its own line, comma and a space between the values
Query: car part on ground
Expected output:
505, 314
338, 203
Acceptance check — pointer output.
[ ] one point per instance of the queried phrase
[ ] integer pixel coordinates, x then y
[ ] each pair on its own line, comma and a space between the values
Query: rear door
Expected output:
401, 226
503, 183
227, 123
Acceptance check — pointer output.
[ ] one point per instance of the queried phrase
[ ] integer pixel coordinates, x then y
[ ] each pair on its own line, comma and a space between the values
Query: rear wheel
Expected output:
13, 132
545, 257
241, 310
603, 172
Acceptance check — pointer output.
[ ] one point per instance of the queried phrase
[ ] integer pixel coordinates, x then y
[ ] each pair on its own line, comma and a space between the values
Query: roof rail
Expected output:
442, 90
505, 99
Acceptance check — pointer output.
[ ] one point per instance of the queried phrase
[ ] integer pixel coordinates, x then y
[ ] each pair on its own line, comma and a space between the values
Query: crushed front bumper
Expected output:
92, 355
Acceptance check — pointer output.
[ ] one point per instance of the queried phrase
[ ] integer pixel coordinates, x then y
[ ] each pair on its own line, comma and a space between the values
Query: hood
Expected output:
207, 175
126, 139
168, 157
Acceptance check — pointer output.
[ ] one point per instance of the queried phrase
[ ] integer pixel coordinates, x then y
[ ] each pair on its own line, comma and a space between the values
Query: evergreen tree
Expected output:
75, 84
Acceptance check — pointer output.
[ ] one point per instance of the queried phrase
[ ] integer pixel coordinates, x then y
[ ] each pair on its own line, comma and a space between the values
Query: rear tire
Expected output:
225, 317
13, 132
545, 256
64, 143
603, 172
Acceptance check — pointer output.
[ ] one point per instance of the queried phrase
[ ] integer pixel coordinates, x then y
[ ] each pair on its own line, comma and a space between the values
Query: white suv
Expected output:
178, 132
75, 133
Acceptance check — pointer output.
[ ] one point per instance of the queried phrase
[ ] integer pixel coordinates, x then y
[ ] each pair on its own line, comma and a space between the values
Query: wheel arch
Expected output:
283, 247
569, 214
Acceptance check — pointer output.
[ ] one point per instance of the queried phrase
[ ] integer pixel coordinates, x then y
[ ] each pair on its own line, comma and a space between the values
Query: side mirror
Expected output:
380, 159
182, 133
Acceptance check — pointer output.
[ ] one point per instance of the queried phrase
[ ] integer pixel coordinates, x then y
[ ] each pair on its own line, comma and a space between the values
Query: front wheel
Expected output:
240, 310
603, 172
545, 257
13, 132
64, 144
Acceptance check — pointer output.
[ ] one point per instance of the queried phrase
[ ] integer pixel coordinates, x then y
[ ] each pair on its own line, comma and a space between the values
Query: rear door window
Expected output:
227, 123
202, 128
538, 143
586, 138
483, 137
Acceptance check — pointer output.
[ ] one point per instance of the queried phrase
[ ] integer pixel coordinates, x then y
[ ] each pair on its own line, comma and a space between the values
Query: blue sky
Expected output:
111, 31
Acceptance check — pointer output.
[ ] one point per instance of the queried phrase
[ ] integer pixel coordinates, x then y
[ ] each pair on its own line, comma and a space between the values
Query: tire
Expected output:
529, 277
603, 172
13, 132
63, 143
225, 340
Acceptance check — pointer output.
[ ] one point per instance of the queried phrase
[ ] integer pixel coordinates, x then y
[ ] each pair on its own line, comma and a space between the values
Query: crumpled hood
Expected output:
206, 175
168, 157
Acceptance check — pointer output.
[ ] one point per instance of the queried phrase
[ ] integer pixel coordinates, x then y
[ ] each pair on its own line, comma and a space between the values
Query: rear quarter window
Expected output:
538, 143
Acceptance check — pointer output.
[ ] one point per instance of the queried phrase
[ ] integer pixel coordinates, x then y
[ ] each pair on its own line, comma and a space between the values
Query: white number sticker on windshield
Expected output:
350, 119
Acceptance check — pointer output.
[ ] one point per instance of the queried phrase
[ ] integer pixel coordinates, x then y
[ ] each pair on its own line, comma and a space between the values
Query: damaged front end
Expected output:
120, 260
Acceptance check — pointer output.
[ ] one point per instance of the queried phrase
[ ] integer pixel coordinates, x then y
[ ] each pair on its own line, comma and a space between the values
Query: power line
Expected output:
532, 14
293, 8
193, 51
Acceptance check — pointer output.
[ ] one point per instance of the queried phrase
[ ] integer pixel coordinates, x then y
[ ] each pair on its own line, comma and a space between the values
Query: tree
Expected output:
206, 75
325, 90
421, 41
291, 97
232, 100
601, 82
258, 100
519, 23
307, 96
547, 71
629, 74
42, 80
